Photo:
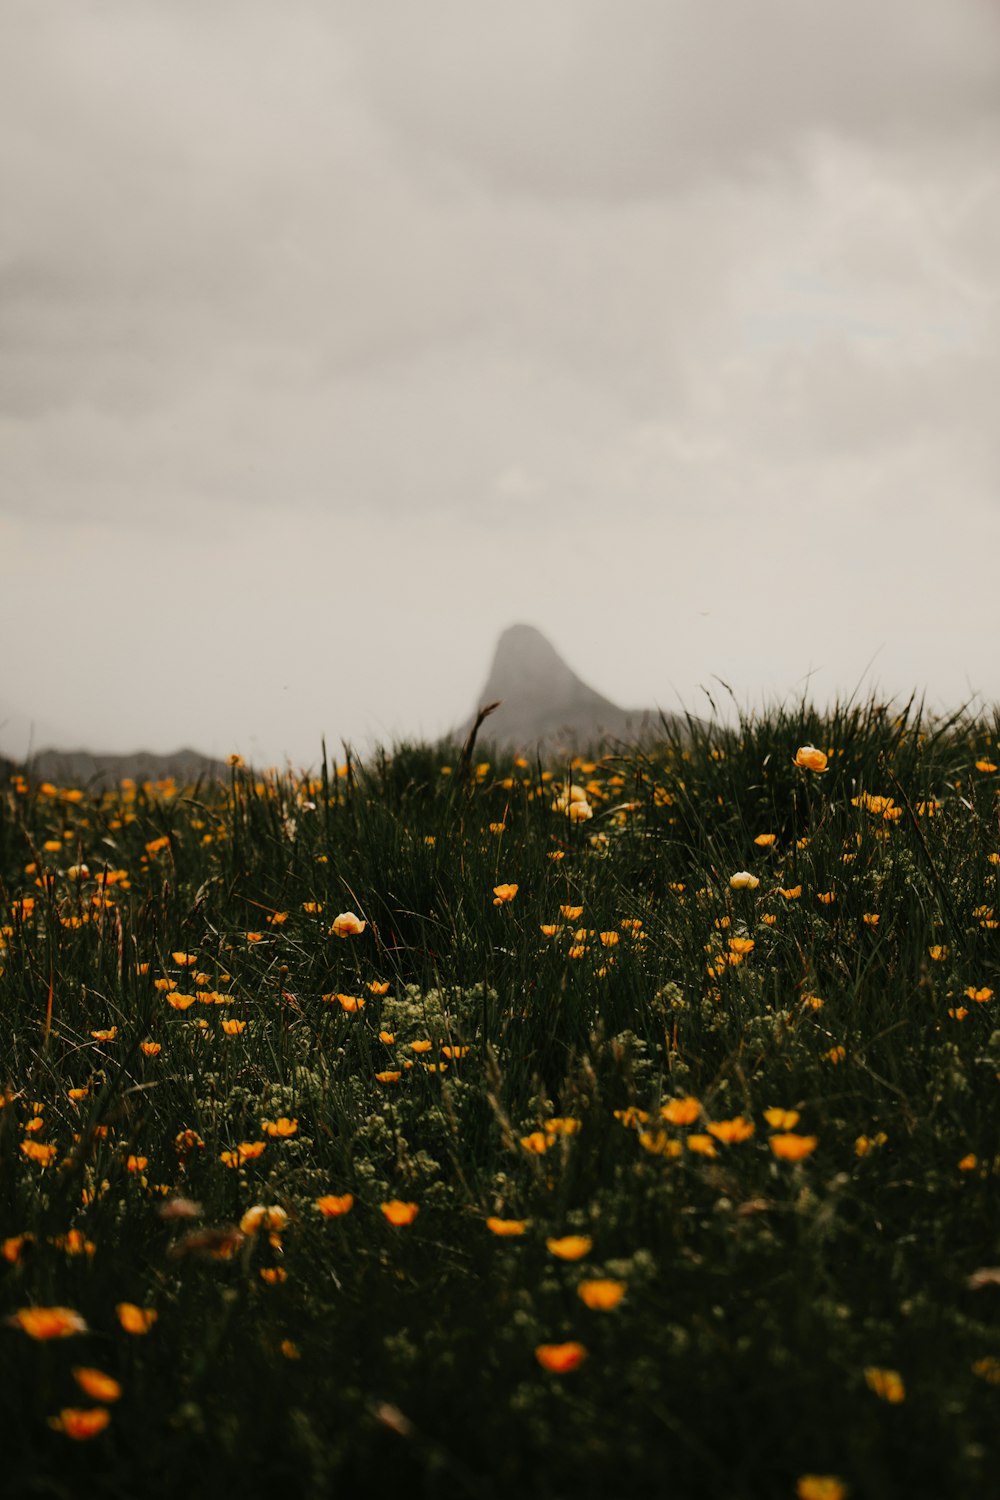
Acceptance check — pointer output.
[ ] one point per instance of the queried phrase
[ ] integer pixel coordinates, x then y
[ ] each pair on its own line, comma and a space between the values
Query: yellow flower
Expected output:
179, 1001
134, 1319
81, 1423
766, 840
503, 893
743, 881
347, 925
570, 1246
811, 759
888, 1384
791, 1147
681, 1111
601, 1295
506, 1228
571, 912
399, 1213
48, 1322
560, 1358
792, 893
95, 1384
827, 897
233, 1027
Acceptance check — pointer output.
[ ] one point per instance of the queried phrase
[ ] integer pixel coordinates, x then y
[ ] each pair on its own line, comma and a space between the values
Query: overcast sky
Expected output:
335, 337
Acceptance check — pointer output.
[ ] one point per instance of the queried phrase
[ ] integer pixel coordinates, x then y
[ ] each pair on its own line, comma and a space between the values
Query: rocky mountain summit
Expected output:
543, 703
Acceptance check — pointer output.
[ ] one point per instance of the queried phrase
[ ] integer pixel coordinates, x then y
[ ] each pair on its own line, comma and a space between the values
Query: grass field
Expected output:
442, 1128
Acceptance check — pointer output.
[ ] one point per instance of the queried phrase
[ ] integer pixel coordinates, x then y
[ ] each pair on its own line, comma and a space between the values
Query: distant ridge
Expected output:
545, 704
85, 768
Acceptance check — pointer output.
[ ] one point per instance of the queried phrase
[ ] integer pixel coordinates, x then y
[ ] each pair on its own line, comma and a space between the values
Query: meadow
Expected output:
451, 1126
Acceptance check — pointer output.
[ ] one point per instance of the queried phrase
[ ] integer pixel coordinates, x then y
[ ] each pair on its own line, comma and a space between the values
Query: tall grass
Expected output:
819, 1322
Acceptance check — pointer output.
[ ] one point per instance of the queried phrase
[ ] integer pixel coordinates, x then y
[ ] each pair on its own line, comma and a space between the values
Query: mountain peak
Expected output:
543, 699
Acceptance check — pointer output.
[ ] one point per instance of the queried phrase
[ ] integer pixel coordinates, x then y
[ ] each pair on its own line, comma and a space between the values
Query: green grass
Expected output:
762, 1295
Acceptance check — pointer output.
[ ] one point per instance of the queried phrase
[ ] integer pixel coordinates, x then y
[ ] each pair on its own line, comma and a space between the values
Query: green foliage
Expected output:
188, 1036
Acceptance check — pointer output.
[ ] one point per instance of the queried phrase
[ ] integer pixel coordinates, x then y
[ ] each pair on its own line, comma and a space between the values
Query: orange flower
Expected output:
179, 1001
81, 1423
233, 1028
506, 1227
782, 1119
560, 1358
731, 1131
791, 1147
135, 1319
390, 1075
571, 912
245, 1151
421, 1046
399, 1213
48, 1322
185, 960
701, 1145
273, 1219
332, 1205
107, 1035
981, 995
811, 759
503, 893
136, 1163
888, 1384
282, 1126
150, 1049
792, 893
44, 1155
273, 1274
741, 945
766, 840
536, 1143
601, 1295
388, 1037
347, 925
570, 1246
95, 1384
820, 1487
681, 1111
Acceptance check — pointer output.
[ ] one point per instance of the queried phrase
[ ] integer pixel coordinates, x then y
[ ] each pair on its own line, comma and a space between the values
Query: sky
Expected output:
336, 337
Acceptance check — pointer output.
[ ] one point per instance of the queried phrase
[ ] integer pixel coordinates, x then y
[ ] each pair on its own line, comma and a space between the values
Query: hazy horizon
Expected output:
336, 339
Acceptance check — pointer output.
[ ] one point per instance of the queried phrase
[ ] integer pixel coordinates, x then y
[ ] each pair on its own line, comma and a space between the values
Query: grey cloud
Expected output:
585, 97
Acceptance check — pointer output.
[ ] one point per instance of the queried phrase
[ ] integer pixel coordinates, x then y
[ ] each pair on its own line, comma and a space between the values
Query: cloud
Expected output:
358, 319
